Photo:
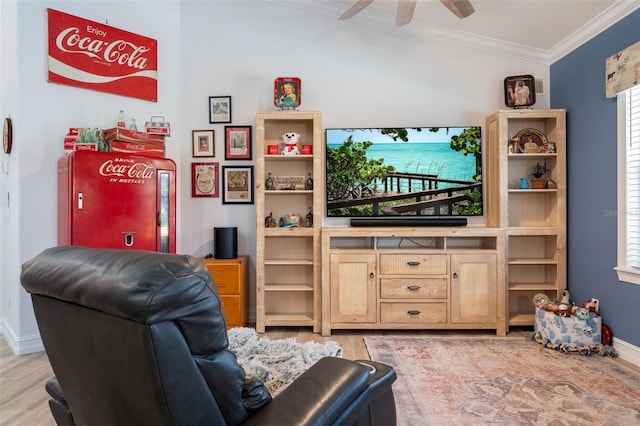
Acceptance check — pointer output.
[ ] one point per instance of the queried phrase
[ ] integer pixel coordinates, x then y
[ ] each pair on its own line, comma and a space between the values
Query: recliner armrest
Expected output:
318, 396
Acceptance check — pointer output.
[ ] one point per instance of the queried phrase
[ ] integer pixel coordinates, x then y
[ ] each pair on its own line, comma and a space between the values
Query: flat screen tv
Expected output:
404, 173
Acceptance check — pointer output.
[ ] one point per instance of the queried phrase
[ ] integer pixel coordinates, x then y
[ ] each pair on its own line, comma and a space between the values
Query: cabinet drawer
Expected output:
226, 277
423, 288
433, 264
413, 313
232, 310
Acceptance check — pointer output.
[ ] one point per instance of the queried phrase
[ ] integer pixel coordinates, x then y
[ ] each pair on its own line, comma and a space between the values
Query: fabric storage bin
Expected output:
568, 334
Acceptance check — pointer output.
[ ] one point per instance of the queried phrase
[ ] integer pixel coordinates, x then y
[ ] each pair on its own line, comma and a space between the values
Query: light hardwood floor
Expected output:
23, 400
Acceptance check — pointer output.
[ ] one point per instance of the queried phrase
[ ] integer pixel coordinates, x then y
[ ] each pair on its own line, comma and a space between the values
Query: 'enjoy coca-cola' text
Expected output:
119, 51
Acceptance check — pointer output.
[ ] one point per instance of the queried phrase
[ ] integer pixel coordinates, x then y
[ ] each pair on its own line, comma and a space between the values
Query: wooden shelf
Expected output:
287, 157
534, 220
532, 261
288, 320
523, 156
518, 319
532, 230
286, 262
293, 231
288, 287
532, 287
532, 191
288, 258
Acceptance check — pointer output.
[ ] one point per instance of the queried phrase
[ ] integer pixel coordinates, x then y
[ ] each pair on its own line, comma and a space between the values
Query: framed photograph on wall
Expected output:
219, 109
237, 184
237, 142
205, 178
519, 91
203, 143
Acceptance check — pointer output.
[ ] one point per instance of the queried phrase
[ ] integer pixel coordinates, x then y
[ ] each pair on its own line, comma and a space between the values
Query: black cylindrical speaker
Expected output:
225, 243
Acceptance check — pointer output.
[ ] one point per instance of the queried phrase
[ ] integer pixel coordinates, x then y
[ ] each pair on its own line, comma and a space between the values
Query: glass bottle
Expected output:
80, 137
309, 219
308, 184
88, 136
268, 185
133, 125
103, 145
121, 124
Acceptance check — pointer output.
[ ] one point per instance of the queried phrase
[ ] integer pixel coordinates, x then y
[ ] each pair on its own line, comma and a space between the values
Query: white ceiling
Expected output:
543, 30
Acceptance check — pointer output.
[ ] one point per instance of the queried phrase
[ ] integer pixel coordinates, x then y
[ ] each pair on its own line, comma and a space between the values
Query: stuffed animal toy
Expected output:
564, 310
541, 300
291, 143
593, 305
582, 313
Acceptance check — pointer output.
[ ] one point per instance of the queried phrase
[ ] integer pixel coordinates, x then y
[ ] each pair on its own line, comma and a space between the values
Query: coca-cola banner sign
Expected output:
96, 56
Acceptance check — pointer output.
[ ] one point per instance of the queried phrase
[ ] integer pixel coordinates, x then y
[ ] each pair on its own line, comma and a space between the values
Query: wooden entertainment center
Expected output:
412, 278
408, 277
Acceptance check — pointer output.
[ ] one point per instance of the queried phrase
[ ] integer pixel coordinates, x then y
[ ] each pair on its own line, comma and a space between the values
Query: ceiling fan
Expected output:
460, 8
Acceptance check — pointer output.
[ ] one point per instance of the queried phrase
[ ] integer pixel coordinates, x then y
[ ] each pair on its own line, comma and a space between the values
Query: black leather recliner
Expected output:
138, 338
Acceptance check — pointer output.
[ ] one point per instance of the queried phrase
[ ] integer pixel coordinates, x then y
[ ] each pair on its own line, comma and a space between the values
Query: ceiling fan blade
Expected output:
460, 8
356, 8
405, 12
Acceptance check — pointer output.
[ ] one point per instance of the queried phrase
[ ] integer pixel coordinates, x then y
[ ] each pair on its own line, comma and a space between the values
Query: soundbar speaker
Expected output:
225, 243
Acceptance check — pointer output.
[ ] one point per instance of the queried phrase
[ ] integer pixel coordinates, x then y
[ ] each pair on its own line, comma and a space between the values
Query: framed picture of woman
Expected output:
286, 92
519, 91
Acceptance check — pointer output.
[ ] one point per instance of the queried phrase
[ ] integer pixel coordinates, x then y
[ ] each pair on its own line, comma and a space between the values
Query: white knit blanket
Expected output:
276, 362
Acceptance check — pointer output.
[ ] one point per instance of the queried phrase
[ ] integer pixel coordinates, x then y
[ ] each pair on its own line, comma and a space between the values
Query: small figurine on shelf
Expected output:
309, 219
281, 222
270, 222
268, 185
308, 184
291, 143
539, 171
538, 181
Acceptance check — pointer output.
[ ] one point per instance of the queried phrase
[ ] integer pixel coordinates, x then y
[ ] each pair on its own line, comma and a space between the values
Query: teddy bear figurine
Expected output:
291, 143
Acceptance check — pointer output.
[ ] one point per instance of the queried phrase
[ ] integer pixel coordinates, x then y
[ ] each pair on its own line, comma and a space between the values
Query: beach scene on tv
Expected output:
421, 171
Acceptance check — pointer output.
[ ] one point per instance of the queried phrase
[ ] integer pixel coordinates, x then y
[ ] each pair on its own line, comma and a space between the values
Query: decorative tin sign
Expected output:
287, 92
96, 56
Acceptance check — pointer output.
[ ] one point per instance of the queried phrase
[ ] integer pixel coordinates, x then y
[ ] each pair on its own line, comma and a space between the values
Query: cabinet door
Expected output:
353, 288
473, 288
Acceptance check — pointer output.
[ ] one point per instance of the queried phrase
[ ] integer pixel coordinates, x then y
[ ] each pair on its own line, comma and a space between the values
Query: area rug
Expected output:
504, 381
276, 362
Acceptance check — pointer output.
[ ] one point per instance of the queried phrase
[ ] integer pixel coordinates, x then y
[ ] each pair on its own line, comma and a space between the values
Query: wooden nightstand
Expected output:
230, 276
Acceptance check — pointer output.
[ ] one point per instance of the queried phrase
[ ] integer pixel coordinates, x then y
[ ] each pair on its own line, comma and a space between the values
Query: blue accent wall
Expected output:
577, 83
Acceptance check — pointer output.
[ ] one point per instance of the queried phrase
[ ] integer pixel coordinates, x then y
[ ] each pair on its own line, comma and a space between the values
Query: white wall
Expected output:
355, 74
42, 112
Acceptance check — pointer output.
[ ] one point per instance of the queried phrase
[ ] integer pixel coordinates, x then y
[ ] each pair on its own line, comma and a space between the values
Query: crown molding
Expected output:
545, 57
603, 21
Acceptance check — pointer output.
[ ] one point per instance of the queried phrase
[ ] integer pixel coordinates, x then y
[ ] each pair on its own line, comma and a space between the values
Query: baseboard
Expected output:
627, 351
20, 345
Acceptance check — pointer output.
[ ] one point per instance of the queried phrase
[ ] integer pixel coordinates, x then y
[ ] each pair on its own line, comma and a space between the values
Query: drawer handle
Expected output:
413, 287
455, 275
413, 263
371, 276
413, 312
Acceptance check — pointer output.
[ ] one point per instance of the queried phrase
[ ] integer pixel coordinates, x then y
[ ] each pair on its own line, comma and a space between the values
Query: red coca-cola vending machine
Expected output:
112, 200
